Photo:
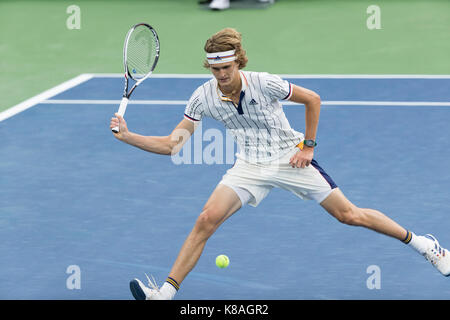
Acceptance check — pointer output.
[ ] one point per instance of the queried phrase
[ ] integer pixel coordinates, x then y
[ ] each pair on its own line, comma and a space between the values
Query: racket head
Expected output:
140, 51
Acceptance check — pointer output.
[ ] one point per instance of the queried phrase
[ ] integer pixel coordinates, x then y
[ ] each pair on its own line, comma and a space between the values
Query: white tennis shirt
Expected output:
258, 123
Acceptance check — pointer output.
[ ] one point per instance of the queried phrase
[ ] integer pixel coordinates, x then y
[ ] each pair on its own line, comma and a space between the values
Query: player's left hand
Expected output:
302, 158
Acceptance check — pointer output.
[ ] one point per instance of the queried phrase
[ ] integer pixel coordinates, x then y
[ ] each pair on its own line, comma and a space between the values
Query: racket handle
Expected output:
122, 108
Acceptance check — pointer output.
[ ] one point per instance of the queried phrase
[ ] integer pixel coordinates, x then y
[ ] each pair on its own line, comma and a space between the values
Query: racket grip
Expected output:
122, 109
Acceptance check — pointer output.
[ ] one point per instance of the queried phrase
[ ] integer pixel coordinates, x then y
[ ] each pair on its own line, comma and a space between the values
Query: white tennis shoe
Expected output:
438, 256
142, 292
219, 4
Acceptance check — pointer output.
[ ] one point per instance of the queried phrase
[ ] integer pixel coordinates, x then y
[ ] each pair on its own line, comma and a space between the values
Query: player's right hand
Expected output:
118, 120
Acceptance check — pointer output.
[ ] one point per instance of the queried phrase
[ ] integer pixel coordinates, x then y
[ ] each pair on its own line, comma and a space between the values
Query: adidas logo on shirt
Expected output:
253, 102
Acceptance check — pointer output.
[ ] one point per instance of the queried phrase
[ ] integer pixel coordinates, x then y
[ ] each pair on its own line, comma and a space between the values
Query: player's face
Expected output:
226, 73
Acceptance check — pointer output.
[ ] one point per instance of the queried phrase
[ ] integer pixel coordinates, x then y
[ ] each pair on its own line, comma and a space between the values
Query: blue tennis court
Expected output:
72, 195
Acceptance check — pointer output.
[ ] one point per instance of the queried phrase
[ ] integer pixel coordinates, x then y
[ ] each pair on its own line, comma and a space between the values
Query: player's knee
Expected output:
207, 221
350, 215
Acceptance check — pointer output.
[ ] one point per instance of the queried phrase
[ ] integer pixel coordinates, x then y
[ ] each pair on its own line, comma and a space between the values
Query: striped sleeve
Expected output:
275, 87
194, 108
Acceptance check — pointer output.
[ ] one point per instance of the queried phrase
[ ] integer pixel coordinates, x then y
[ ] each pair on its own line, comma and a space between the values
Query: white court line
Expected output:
145, 102
288, 103
157, 75
388, 103
293, 76
366, 76
44, 96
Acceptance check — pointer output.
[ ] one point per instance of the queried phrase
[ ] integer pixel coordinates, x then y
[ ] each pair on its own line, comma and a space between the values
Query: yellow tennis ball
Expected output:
222, 261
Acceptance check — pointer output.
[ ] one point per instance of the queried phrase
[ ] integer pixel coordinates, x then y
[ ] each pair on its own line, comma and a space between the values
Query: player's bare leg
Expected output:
222, 203
220, 206
346, 212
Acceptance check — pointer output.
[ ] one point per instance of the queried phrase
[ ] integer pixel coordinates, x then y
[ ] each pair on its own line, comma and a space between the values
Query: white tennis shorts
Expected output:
253, 181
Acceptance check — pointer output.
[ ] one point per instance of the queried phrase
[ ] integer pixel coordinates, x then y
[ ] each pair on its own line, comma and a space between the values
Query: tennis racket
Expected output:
140, 56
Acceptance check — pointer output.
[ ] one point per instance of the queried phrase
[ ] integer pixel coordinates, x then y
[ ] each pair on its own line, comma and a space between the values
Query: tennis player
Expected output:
272, 154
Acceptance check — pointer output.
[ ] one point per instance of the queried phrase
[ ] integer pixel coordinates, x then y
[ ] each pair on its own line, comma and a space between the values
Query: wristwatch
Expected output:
310, 143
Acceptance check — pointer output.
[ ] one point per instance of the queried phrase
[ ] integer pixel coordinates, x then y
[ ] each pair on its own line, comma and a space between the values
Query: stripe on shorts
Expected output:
324, 174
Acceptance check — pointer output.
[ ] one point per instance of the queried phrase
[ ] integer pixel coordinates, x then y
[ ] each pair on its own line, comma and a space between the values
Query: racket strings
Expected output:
141, 52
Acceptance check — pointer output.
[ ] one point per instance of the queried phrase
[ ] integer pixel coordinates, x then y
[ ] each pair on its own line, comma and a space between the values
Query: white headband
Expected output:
221, 57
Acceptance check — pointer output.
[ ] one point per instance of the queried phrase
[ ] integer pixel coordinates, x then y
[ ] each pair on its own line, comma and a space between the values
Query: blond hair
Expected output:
224, 40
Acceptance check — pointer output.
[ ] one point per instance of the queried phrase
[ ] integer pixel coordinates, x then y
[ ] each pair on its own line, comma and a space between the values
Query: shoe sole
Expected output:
136, 290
